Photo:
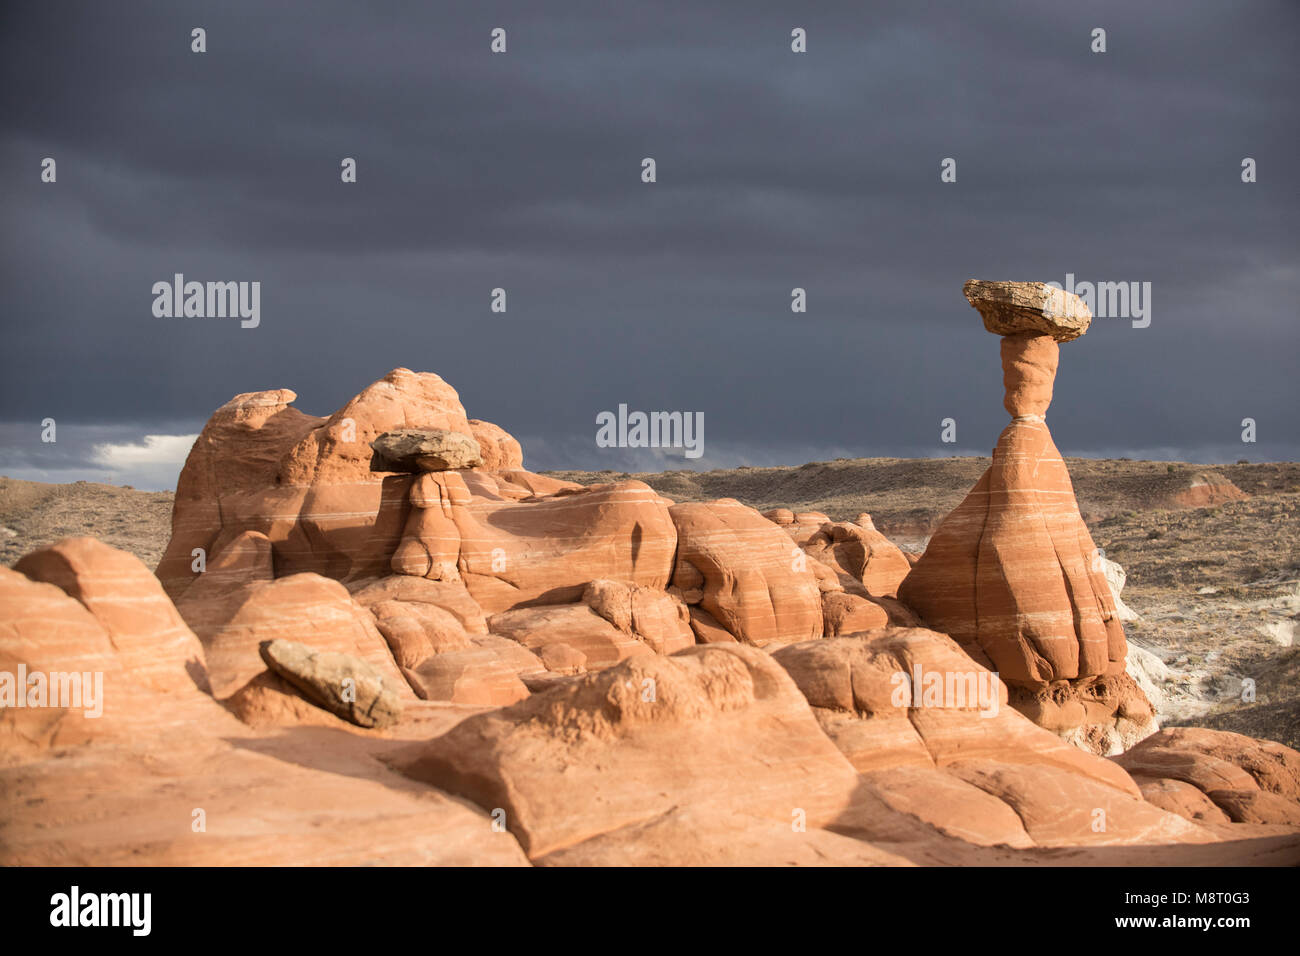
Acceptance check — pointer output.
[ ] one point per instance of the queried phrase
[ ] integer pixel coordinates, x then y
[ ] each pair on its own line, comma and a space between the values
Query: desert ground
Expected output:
1216, 588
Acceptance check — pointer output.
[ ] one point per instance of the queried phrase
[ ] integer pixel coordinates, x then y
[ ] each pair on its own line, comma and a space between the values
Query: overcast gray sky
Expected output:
522, 170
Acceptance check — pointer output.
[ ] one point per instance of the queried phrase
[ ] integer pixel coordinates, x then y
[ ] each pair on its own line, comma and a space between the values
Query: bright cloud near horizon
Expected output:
153, 462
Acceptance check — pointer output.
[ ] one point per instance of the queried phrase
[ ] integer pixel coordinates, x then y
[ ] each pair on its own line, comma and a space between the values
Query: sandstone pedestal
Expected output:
1013, 574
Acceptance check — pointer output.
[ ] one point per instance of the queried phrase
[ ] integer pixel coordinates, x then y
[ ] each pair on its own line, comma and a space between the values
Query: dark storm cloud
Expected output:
775, 170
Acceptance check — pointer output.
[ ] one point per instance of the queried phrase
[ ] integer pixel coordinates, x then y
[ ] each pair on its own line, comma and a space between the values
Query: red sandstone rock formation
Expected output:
1216, 776
744, 575
858, 570
1013, 574
1204, 489
268, 493
115, 658
625, 764
261, 465
621, 679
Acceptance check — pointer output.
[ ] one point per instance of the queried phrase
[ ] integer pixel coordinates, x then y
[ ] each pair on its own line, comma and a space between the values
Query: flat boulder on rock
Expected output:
425, 449
1009, 308
344, 685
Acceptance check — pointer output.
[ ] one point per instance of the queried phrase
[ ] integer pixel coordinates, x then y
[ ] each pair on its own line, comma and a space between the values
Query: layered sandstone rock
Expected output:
1013, 574
858, 570
745, 574
931, 735
449, 596
572, 634
165, 775
543, 550
44, 631
95, 649
1192, 770
719, 729
499, 449
442, 660
666, 759
910, 696
276, 509
147, 633
301, 608
712, 755
855, 550
306, 483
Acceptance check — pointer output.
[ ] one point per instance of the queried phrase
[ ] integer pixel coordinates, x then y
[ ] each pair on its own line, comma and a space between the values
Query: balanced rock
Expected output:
345, 685
1034, 308
305, 482
425, 449
605, 631
1012, 574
